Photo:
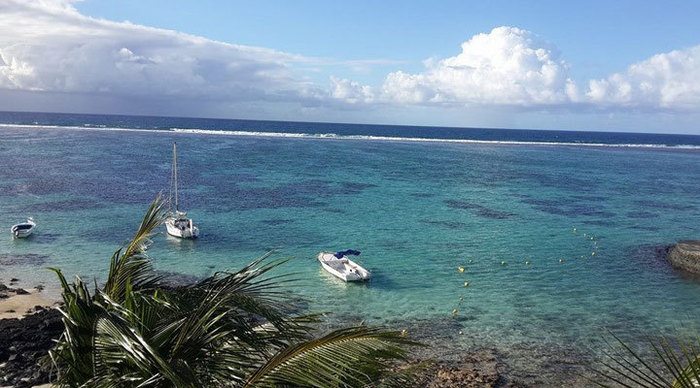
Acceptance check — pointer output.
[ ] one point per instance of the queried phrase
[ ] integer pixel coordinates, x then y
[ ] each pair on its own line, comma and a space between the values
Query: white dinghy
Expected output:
23, 229
343, 268
177, 224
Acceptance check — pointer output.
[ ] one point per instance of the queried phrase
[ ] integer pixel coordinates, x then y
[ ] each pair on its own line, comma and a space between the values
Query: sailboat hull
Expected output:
181, 228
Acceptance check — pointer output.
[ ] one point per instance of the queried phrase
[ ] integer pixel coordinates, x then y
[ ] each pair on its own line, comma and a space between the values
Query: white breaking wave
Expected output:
333, 136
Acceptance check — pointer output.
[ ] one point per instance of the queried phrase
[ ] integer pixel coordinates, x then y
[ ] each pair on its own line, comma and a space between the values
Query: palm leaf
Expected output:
352, 357
131, 265
676, 364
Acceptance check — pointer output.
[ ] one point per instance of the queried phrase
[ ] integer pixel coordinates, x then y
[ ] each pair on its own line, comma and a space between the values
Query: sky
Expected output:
594, 65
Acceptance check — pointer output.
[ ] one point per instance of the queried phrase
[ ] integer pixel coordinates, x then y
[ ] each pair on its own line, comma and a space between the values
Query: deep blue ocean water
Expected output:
559, 241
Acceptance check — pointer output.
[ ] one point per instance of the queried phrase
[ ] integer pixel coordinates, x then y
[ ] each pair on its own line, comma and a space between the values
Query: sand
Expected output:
16, 306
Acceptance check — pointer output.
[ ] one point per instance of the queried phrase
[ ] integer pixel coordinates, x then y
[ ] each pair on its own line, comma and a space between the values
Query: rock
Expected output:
477, 369
23, 343
686, 256
21, 291
14, 280
3, 287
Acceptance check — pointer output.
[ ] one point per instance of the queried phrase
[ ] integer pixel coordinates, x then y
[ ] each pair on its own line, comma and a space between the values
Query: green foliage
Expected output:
232, 329
674, 363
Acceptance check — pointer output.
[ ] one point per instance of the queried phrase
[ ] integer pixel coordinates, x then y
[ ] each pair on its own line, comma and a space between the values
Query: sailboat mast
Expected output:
175, 173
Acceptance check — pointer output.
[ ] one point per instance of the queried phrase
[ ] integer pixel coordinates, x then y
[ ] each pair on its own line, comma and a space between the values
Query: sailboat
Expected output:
177, 224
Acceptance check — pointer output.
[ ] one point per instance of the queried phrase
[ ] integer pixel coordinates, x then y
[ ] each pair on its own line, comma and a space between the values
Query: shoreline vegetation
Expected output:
140, 328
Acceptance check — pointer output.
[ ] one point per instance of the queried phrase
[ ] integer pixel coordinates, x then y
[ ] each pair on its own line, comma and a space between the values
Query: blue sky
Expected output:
597, 37
623, 65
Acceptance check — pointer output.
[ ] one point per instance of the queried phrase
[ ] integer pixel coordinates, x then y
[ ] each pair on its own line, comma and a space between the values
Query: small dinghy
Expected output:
23, 229
343, 268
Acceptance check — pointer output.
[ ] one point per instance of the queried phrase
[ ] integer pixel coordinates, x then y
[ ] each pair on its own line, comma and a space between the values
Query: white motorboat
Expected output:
343, 268
178, 224
24, 229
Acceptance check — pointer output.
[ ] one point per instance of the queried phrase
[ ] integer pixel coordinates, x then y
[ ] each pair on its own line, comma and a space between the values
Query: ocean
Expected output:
560, 233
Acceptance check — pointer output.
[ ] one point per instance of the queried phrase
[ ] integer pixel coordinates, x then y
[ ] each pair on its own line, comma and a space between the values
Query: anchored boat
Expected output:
24, 229
178, 224
340, 266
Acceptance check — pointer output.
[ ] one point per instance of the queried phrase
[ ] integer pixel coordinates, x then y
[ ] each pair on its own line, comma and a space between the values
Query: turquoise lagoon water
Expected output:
558, 242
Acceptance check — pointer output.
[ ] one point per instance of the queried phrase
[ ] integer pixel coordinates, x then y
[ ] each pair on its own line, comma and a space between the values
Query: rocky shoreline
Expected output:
24, 346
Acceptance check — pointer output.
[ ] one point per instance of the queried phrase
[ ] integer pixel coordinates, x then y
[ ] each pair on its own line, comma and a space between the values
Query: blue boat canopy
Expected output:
340, 254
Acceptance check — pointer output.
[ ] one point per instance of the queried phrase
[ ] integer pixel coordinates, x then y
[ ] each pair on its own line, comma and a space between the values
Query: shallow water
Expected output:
558, 242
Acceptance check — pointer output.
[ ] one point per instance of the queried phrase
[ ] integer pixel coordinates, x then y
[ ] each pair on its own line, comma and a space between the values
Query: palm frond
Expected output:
131, 266
348, 357
675, 363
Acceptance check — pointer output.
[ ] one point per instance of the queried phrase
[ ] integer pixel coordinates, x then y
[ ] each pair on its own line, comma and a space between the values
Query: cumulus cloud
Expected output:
665, 81
350, 91
49, 46
507, 66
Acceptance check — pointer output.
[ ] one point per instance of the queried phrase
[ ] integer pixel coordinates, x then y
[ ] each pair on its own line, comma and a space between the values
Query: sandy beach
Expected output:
18, 300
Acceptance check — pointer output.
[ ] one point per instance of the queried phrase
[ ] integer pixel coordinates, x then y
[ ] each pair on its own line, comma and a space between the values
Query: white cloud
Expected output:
667, 81
49, 50
49, 46
507, 66
350, 91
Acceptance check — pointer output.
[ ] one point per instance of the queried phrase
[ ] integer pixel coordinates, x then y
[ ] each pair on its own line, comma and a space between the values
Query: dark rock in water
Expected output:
23, 344
29, 258
14, 280
3, 287
21, 291
686, 256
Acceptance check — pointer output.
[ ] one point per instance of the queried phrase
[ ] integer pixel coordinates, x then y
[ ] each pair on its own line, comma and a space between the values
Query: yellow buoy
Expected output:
455, 311
527, 263
592, 253
561, 260
460, 269
460, 332
466, 284
503, 263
